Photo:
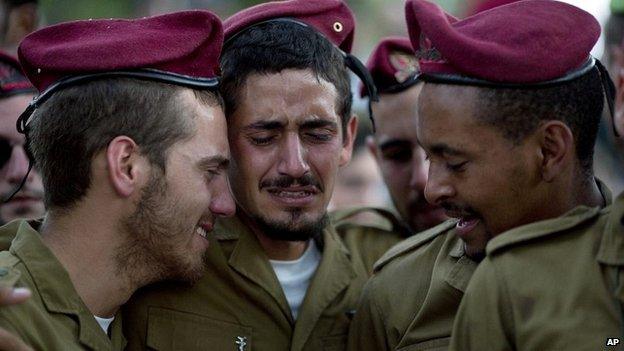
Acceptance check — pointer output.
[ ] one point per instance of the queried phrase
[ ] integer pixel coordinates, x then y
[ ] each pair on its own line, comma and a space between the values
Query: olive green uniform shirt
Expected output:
239, 303
412, 298
369, 241
550, 285
55, 317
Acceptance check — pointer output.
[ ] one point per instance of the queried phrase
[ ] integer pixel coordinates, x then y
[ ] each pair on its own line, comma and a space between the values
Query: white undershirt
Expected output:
295, 276
104, 323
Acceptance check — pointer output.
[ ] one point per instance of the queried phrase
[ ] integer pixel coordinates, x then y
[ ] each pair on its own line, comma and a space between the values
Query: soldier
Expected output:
15, 94
393, 66
279, 277
129, 135
555, 284
509, 127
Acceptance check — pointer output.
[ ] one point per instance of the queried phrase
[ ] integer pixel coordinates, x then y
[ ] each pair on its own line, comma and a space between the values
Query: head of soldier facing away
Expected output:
133, 166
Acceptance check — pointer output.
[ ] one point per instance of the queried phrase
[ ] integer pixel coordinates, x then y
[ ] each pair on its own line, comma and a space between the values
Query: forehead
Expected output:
396, 115
285, 96
448, 115
10, 109
208, 123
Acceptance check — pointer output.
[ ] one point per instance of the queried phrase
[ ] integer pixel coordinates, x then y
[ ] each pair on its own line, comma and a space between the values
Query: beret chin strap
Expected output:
357, 67
609, 90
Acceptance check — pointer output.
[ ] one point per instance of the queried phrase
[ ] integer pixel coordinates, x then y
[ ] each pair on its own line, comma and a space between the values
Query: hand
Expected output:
8, 297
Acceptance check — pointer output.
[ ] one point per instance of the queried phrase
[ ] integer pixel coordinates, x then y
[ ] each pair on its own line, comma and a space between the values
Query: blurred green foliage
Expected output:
55, 11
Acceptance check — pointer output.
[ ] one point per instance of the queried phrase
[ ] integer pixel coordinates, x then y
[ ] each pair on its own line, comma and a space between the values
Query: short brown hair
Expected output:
68, 130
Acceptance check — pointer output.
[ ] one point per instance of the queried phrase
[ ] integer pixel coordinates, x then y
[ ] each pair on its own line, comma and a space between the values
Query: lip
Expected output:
465, 225
296, 196
24, 199
207, 226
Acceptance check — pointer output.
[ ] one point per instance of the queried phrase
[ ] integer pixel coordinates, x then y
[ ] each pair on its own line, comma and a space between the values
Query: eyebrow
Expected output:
445, 150
318, 123
394, 143
266, 125
219, 161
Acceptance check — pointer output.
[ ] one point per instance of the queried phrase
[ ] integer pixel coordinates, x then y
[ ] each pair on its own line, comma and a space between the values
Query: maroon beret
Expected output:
181, 48
12, 79
483, 5
530, 41
392, 65
332, 18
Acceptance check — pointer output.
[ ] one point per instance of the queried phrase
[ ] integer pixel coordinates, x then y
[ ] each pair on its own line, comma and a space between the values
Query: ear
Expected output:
557, 148
124, 165
371, 144
347, 145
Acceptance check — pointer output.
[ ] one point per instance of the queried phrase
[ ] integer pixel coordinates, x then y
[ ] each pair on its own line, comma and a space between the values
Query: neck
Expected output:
86, 247
572, 194
279, 250
589, 195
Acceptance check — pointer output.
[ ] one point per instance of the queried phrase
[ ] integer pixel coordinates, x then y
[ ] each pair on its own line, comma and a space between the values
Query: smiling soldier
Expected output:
510, 142
132, 153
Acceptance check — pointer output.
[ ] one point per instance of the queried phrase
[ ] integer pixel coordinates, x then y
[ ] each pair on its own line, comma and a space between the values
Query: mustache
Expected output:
457, 210
285, 181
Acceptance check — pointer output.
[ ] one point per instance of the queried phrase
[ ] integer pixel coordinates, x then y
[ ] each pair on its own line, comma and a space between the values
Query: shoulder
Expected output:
7, 234
413, 243
580, 219
375, 219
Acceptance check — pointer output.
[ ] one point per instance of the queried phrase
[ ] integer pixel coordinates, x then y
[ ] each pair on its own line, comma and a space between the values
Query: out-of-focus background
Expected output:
361, 184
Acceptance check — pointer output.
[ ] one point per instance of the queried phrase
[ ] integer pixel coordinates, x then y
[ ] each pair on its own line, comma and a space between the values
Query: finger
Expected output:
12, 296
10, 342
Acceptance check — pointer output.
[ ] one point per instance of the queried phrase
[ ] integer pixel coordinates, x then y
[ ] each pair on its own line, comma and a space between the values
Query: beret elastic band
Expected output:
455, 79
397, 88
142, 74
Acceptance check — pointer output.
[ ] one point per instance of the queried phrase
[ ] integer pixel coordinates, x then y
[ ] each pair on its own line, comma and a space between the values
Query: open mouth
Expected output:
466, 224
203, 229
290, 193
296, 196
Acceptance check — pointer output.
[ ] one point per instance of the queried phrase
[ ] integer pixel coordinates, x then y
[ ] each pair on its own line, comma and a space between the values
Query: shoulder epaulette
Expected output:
413, 242
542, 229
388, 220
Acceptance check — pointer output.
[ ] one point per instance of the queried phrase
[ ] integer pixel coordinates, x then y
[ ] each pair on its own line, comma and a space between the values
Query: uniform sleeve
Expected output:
367, 330
484, 320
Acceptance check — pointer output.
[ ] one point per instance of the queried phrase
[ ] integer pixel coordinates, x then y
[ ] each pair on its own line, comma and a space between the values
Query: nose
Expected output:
292, 158
438, 187
17, 167
222, 203
420, 170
